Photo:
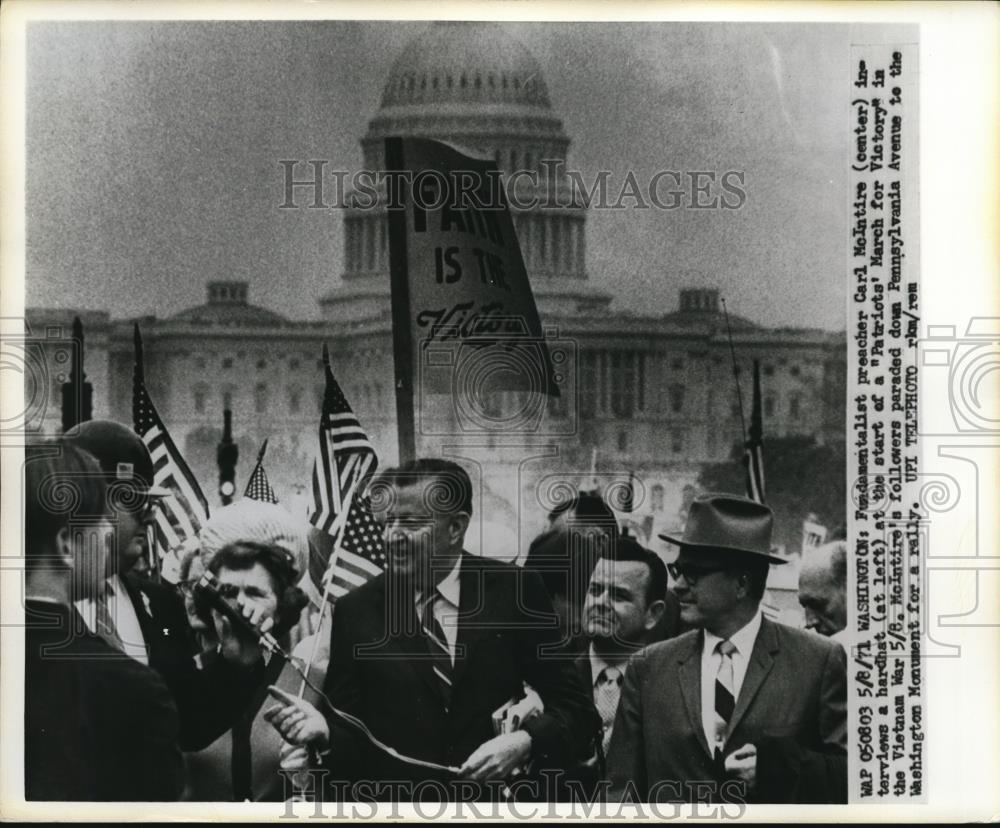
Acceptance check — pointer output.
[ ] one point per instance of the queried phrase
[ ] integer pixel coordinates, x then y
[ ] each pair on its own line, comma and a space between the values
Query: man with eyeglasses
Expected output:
739, 709
123, 614
140, 618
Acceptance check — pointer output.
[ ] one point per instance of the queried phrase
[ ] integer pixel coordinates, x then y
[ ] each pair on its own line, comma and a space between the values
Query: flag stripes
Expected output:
345, 461
179, 515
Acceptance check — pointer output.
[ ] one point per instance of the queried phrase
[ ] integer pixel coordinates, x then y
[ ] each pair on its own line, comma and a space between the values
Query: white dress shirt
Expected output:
598, 663
122, 614
446, 606
743, 639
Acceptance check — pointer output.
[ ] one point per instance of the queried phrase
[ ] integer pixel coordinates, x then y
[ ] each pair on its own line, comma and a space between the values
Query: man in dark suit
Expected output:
427, 652
741, 708
624, 609
626, 602
97, 726
139, 617
579, 531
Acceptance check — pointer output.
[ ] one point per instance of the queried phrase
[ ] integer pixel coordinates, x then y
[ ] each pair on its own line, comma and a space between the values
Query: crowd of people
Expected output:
592, 669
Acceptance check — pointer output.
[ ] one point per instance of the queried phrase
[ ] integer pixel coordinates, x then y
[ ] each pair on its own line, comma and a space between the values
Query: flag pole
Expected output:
753, 453
736, 372
402, 341
337, 531
260, 456
139, 377
256, 466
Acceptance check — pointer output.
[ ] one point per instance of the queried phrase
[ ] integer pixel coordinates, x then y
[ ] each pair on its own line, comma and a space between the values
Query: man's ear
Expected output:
64, 547
654, 612
457, 527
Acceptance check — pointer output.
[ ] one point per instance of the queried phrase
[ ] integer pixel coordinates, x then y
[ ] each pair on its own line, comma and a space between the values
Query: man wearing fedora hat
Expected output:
740, 708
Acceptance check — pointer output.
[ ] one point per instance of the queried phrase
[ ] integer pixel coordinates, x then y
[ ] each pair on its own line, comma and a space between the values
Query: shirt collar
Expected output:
743, 638
599, 663
450, 586
114, 584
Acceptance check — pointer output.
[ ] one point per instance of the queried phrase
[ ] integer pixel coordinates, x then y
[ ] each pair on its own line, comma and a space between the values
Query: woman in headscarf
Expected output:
257, 552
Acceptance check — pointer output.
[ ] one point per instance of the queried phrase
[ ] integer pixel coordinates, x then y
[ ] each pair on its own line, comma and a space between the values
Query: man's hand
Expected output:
742, 764
498, 758
240, 646
255, 614
298, 722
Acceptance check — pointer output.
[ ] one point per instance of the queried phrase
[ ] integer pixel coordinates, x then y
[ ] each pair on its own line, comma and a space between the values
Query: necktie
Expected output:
606, 694
106, 628
440, 652
725, 696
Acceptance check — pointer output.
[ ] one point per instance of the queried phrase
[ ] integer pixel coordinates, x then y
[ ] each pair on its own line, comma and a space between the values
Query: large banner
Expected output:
464, 317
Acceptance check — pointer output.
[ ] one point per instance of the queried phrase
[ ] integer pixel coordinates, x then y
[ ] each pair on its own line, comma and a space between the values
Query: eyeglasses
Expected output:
691, 572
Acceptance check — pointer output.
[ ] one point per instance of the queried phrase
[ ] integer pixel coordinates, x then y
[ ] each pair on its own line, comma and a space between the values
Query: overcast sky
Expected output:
153, 155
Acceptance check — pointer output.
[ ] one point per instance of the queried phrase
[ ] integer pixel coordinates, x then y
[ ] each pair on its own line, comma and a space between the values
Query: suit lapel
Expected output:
761, 661
472, 617
139, 599
689, 677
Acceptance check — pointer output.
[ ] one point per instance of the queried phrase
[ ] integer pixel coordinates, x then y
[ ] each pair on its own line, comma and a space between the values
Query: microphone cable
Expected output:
208, 588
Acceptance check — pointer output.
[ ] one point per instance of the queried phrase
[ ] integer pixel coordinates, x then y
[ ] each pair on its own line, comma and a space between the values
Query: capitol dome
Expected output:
454, 61
473, 85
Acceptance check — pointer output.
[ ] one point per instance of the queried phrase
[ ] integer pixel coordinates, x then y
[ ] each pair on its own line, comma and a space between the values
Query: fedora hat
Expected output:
120, 452
730, 522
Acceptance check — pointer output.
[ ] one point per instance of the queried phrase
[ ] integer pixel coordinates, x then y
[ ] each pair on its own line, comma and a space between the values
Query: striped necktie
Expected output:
725, 696
607, 692
437, 644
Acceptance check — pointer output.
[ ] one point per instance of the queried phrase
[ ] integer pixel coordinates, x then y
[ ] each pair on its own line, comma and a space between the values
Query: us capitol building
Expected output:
650, 393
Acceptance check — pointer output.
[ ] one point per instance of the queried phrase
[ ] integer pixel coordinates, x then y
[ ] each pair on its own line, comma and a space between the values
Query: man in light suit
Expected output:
740, 709
425, 653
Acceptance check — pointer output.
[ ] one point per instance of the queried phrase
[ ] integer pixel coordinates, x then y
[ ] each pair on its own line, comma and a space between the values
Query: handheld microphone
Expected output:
207, 590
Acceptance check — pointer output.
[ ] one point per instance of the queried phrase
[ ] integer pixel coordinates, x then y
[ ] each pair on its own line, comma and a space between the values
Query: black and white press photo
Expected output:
426, 418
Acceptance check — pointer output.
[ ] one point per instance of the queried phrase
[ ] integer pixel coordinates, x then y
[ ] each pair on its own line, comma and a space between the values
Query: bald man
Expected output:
823, 589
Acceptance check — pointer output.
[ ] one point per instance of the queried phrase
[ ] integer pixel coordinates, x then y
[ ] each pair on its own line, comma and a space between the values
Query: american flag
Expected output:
258, 486
753, 457
344, 464
362, 555
181, 514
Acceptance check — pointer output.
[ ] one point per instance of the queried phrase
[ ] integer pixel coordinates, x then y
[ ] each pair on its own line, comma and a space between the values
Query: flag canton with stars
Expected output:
362, 553
143, 412
180, 515
259, 488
